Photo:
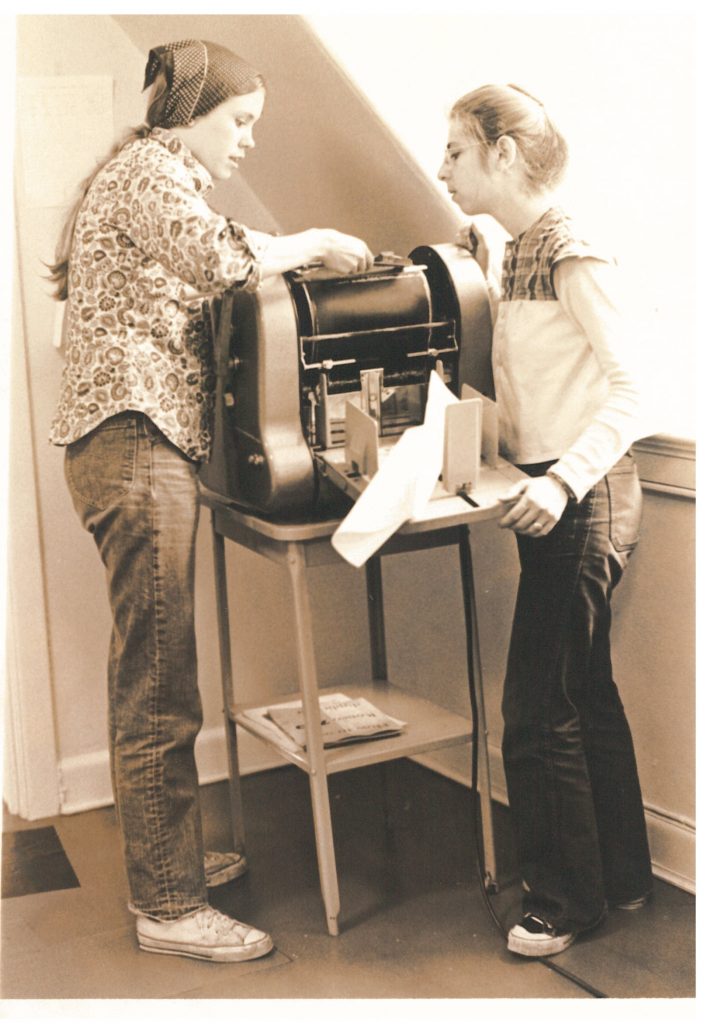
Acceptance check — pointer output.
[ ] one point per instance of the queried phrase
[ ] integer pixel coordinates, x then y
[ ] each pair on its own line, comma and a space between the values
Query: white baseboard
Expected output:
85, 781
85, 784
672, 840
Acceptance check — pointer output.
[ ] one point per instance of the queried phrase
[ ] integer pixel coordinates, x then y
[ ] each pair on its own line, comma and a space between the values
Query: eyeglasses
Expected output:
450, 155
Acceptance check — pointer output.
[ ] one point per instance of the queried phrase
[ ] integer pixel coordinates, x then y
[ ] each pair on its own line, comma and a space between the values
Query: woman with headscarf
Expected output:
569, 409
141, 254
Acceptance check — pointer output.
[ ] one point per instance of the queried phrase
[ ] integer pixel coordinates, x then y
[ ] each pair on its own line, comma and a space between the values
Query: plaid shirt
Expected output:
147, 252
529, 259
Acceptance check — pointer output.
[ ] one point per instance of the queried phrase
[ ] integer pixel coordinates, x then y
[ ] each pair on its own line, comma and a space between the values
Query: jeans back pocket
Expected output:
101, 466
625, 493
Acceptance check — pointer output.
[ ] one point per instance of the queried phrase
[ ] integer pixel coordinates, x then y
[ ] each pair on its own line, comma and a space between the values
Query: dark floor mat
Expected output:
33, 860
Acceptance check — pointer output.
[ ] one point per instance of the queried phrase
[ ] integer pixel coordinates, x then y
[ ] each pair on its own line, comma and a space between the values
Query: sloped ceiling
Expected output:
323, 156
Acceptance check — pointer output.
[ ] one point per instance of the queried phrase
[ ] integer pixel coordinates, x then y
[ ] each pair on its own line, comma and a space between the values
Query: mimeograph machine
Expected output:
317, 378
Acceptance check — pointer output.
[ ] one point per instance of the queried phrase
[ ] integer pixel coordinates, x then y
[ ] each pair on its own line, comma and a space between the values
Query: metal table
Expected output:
299, 546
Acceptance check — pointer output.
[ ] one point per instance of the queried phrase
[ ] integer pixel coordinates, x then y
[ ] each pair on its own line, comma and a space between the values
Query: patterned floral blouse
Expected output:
147, 253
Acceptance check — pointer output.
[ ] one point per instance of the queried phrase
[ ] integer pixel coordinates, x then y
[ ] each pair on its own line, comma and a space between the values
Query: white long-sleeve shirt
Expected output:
565, 387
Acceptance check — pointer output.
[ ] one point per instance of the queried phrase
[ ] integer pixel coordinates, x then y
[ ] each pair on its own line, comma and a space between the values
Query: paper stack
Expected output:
344, 719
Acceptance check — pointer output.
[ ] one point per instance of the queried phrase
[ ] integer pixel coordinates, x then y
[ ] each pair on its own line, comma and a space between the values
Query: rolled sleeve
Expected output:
174, 225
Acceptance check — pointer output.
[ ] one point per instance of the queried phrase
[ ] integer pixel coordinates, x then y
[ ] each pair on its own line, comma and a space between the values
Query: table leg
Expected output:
376, 618
476, 683
318, 780
223, 632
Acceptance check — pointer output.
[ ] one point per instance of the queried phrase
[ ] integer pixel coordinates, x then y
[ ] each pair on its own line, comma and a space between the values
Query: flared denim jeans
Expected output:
570, 767
137, 494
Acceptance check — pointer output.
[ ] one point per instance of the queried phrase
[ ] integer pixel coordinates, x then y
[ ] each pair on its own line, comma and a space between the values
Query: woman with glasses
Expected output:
569, 409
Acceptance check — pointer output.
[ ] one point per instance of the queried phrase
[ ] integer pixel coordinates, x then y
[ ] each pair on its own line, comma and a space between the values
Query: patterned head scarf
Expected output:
192, 77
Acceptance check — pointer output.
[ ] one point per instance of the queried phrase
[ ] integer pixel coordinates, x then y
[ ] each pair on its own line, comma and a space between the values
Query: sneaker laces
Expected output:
536, 925
213, 923
215, 859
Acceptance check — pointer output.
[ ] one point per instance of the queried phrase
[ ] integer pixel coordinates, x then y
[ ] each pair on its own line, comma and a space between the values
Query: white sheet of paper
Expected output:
402, 486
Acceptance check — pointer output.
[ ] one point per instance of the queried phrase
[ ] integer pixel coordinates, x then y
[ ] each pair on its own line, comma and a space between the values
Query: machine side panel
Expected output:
263, 460
454, 274
215, 474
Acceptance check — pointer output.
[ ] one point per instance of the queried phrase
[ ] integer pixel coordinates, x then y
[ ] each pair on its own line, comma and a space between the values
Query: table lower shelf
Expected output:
428, 728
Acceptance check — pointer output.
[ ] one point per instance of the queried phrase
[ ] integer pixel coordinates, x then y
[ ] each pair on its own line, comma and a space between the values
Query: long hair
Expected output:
59, 270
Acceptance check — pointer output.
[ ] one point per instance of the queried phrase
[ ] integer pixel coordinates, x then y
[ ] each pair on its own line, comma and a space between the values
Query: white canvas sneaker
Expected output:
223, 867
533, 936
636, 904
205, 935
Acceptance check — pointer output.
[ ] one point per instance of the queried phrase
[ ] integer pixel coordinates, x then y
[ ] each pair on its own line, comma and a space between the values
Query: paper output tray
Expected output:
492, 483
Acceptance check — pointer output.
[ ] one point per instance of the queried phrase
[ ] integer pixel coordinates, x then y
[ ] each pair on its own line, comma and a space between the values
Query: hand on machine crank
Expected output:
342, 253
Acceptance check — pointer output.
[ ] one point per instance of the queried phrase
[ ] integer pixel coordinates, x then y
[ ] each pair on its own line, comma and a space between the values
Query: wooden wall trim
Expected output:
667, 465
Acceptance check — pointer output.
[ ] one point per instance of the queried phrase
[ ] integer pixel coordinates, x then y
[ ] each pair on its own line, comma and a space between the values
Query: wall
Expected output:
71, 618
323, 157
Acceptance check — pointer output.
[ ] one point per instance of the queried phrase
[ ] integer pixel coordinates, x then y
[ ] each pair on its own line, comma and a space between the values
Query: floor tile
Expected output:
413, 921
646, 953
53, 918
111, 966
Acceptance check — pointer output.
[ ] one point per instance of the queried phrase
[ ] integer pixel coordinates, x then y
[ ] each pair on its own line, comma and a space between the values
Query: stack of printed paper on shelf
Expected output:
343, 720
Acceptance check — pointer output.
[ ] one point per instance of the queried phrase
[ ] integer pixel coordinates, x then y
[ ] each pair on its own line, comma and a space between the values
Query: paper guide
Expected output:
402, 487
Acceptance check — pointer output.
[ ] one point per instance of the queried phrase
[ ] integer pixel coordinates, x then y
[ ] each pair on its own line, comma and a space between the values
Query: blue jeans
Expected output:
570, 766
137, 494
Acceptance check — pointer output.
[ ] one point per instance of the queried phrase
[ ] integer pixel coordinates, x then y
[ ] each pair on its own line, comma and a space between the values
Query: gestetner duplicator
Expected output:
318, 379
291, 356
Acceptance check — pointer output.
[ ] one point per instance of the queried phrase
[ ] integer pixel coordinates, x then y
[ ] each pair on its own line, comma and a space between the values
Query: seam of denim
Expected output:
127, 424
553, 787
112, 728
170, 904
132, 454
155, 780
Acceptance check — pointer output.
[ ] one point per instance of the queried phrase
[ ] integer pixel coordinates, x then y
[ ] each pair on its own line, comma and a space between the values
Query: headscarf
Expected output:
192, 77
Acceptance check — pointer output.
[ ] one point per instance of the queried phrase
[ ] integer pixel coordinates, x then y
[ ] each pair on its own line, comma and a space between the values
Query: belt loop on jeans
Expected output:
145, 426
139, 420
